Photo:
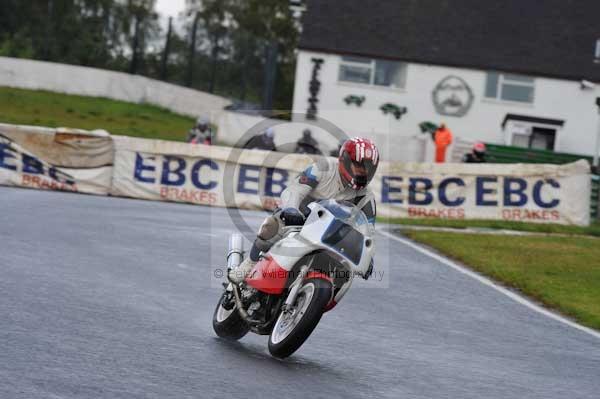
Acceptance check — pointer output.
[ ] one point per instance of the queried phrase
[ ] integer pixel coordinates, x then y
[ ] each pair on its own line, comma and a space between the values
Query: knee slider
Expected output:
269, 229
262, 245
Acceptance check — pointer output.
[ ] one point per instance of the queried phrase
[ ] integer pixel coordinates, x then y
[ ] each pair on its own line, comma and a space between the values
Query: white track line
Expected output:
485, 281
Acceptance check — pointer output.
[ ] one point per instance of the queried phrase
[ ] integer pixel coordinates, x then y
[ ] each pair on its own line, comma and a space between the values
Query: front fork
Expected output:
296, 285
294, 288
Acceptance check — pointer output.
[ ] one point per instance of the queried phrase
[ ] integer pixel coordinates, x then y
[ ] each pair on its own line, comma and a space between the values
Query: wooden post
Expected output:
192, 56
165, 57
133, 67
271, 51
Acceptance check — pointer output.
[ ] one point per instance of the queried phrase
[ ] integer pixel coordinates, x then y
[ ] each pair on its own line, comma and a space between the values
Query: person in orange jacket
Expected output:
442, 138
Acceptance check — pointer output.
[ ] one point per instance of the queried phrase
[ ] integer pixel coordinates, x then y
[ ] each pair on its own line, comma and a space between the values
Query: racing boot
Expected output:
238, 274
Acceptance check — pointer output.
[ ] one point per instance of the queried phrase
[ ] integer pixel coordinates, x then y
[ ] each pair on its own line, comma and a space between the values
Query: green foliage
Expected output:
561, 272
83, 32
236, 34
18, 46
125, 35
43, 108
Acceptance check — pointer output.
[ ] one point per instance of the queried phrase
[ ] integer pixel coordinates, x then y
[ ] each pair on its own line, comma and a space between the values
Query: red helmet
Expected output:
358, 162
479, 147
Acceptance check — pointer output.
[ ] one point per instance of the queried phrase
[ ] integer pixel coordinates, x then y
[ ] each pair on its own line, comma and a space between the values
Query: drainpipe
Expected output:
596, 160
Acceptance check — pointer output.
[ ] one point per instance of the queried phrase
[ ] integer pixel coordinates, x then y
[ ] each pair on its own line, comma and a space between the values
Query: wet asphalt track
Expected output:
112, 298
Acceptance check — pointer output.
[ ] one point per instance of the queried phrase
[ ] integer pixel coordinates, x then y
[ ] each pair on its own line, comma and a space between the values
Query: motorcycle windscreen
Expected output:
345, 240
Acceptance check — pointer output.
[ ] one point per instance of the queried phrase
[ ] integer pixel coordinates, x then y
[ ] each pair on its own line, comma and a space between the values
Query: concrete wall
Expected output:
71, 79
555, 99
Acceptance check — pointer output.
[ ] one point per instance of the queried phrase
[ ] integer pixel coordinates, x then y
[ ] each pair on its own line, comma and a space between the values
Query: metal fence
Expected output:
507, 154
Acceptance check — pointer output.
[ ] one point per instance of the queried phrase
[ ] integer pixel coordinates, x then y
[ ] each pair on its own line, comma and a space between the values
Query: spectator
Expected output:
264, 141
307, 144
442, 138
477, 154
201, 133
336, 152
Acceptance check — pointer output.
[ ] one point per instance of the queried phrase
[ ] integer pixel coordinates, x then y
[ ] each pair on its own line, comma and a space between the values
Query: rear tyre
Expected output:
228, 323
293, 328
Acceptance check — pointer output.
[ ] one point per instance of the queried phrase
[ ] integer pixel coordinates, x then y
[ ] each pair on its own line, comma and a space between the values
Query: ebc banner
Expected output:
180, 172
519, 192
19, 167
198, 179
248, 179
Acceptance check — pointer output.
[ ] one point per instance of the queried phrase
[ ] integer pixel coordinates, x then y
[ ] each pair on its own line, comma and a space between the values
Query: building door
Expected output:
535, 137
542, 138
527, 131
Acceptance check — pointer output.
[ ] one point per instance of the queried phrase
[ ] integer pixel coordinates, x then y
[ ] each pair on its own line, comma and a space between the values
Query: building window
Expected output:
372, 72
508, 87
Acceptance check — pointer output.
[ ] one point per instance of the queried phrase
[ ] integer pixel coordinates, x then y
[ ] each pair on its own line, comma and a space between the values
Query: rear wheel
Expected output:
227, 321
295, 325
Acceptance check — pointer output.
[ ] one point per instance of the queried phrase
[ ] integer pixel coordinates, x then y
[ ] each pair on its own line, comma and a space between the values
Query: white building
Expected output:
518, 74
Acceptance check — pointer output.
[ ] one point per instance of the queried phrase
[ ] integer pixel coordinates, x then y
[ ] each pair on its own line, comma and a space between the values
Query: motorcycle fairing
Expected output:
271, 274
268, 276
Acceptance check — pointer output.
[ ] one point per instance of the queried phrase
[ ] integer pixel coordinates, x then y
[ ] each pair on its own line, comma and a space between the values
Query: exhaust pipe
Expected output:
240, 307
236, 251
234, 258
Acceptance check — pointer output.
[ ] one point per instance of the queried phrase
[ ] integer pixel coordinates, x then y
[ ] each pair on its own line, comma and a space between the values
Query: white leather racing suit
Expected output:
321, 181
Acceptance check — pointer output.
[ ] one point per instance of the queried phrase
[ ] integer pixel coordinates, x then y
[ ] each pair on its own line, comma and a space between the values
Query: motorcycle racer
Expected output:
346, 178
201, 133
477, 154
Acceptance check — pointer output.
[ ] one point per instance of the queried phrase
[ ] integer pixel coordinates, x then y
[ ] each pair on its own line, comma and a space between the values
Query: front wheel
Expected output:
227, 321
295, 325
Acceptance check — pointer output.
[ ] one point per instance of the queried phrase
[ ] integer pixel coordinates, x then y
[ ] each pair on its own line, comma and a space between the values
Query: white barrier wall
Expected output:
226, 177
72, 79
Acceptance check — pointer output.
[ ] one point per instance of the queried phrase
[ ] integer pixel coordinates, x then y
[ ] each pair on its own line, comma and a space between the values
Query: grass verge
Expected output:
43, 108
563, 273
592, 230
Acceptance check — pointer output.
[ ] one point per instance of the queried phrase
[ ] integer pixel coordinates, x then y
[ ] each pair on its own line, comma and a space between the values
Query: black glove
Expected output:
292, 217
369, 271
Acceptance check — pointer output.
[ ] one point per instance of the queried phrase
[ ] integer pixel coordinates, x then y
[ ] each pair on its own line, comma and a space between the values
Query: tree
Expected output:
272, 25
213, 19
142, 26
224, 49
85, 32
192, 54
164, 65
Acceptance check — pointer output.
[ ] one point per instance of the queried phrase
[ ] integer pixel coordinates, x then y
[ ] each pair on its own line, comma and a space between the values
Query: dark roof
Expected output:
554, 38
533, 119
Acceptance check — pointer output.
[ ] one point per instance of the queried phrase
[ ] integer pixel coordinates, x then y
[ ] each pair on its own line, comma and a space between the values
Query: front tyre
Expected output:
294, 326
227, 321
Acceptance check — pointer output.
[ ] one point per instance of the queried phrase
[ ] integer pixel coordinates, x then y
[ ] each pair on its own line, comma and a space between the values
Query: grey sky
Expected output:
170, 8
